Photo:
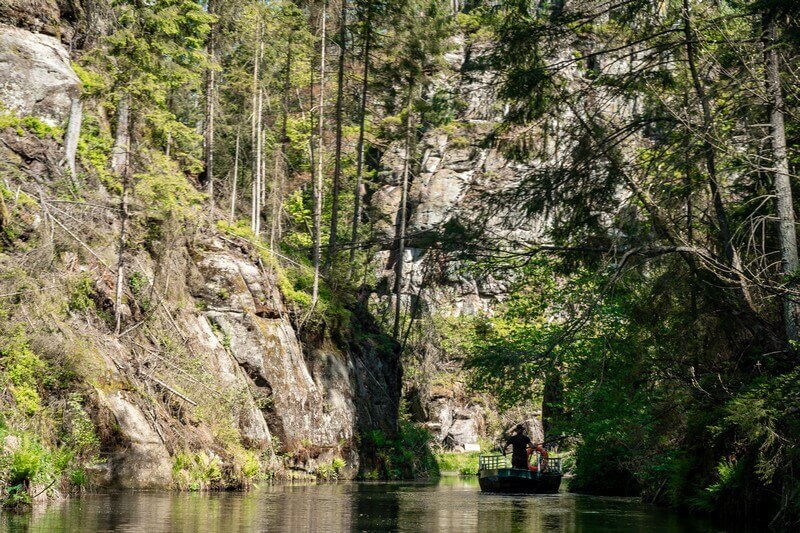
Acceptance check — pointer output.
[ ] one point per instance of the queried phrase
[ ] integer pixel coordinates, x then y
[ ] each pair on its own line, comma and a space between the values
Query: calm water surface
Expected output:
450, 504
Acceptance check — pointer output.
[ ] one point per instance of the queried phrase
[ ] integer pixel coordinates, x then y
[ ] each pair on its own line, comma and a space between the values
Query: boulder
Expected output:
37, 77
145, 462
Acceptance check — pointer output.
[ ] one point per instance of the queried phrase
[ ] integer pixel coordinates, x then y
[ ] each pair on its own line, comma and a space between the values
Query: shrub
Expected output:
196, 471
251, 466
29, 462
94, 150
465, 464
19, 369
29, 124
81, 295
330, 471
405, 456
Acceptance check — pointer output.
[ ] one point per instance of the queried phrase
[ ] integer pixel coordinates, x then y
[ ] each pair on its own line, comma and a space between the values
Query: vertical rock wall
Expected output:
458, 167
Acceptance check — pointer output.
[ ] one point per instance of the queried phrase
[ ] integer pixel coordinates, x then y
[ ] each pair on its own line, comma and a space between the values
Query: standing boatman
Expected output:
519, 442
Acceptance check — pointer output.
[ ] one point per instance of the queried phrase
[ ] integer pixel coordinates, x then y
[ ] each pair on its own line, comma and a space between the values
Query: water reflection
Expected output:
450, 504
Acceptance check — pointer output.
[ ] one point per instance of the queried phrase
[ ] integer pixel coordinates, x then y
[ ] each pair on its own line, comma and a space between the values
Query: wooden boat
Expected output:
495, 475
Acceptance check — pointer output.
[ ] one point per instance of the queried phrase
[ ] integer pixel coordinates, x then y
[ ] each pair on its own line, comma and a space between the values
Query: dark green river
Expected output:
450, 504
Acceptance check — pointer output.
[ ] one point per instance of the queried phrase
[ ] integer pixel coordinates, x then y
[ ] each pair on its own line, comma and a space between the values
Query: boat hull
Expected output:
516, 480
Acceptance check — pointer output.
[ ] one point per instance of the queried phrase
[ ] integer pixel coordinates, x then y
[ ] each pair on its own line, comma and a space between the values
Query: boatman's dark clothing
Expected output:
519, 457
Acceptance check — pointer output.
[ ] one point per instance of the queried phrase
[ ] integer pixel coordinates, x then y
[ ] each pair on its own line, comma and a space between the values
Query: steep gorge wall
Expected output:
212, 360
458, 166
463, 183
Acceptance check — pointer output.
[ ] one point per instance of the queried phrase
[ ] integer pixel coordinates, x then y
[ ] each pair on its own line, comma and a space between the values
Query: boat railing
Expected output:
551, 464
492, 462
498, 461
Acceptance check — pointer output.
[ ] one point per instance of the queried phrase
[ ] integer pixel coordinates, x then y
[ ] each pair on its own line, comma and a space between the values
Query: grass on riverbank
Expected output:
464, 463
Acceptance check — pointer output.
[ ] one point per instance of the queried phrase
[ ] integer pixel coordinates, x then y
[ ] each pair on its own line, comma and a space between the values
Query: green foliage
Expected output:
196, 471
80, 434
465, 463
164, 187
421, 29
730, 479
459, 142
330, 471
78, 478
81, 295
669, 385
29, 124
511, 353
298, 130
20, 369
404, 456
250, 465
27, 463
221, 334
441, 109
92, 83
477, 23
153, 53
763, 417
94, 151
137, 282
240, 228
607, 396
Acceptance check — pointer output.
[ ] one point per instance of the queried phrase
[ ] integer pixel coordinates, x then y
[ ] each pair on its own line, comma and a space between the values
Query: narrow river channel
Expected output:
449, 504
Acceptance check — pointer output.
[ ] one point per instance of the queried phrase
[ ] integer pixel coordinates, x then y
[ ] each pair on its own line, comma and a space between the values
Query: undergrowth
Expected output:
406, 455
466, 463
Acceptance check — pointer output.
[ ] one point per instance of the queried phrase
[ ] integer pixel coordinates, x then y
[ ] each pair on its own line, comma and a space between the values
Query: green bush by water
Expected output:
466, 463
406, 456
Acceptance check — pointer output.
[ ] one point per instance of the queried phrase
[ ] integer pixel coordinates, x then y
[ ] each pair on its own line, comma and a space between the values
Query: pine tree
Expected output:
318, 183
151, 50
338, 118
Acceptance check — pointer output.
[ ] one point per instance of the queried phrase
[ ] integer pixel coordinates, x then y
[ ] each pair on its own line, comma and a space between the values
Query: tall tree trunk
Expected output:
552, 398
730, 253
254, 130
285, 142
263, 190
235, 181
259, 166
123, 209
120, 164
318, 182
401, 230
782, 182
275, 201
71, 139
362, 113
122, 139
208, 130
337, 169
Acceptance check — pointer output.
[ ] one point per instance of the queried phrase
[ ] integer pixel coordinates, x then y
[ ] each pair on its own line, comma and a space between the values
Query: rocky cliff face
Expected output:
212, 362
37, 77
458, 167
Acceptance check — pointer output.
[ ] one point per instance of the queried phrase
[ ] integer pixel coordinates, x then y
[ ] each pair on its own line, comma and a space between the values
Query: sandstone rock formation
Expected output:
458, 166
37, 75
